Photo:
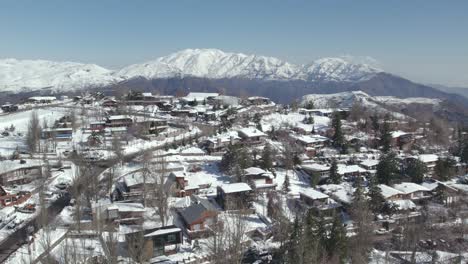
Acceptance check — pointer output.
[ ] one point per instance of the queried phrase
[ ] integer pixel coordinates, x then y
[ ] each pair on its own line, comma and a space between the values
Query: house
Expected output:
220, 142
429, 160
342, 193
125, 213
350, 171
413, 191
17, 172
154, 242
115, 131
98, 125
119, 121
7, 108
260, 178
401, 138
396, 197
234, 196
258, 100
199, 217
316, 171
369, 164
318, 201
251, 135
41, 99
110, 103
195, 98
179, 182
443, 192
58, 133
12, 199
311, 143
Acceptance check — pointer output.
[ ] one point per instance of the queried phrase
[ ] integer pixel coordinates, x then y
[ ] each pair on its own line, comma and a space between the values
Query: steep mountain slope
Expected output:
30, 75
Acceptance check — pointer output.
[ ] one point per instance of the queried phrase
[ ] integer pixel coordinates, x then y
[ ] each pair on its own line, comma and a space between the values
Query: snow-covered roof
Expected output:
119, 117
313, 194
11, 165
254, 171
309, 139
388, 191
199, 96
251, 132
410, 187
163, 231
235, 187
147, 94
426, 158
128, 207
369, 162
315, 167
398, 133
342, 192
343, 169
40, 98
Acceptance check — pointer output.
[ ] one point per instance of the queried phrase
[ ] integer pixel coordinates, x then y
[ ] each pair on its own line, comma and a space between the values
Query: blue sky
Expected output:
426, 41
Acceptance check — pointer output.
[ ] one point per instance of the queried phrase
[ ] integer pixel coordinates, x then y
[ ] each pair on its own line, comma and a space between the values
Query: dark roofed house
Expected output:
199, 217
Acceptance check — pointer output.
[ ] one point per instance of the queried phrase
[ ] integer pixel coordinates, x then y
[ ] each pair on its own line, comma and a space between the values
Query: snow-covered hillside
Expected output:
30, 75
347, 99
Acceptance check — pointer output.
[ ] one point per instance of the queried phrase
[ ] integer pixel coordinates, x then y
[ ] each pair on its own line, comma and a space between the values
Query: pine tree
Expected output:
336, 242
444, 169
335, 177
286, 184
385, 141
338, 138
416, 170
377, 200
387, 169
267, 159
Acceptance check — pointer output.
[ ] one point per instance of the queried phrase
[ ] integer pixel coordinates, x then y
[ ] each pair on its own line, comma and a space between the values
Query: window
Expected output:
171, 238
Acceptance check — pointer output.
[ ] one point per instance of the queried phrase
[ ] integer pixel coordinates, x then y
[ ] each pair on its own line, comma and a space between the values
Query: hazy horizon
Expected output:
422, 41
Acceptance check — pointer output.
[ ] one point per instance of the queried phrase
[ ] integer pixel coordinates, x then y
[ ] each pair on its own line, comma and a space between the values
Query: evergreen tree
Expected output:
416, 170
286, 184
377, 200
444, 169
385, 141
267, 157
336, 242
338, 138
387, 169
464, 153
310, 105
335, 177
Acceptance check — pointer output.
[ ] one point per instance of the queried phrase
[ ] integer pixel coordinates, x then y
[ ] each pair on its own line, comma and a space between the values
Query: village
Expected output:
213, 178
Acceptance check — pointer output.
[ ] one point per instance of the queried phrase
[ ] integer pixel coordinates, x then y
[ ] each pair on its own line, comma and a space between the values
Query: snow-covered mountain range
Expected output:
20, 75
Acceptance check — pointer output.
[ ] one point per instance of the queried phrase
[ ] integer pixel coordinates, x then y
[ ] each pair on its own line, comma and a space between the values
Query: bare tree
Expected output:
161, 194
33, 134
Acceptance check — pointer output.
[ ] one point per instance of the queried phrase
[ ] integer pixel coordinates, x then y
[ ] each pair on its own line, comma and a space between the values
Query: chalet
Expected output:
429, 160
12, 198
119, 121
220, 142
125, 213
311, 143
15, 172
7, 108
258, 100
199, 217
260, 178
98, 125
396, 197
413, 191
318, 201
110, 103
449, 193
195, 98
316, 171
58, 133
401, 138
41, 99
154, 242
369, 164
251, 135
115, 131
342, 193
350, 171
152, 125
234, 196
